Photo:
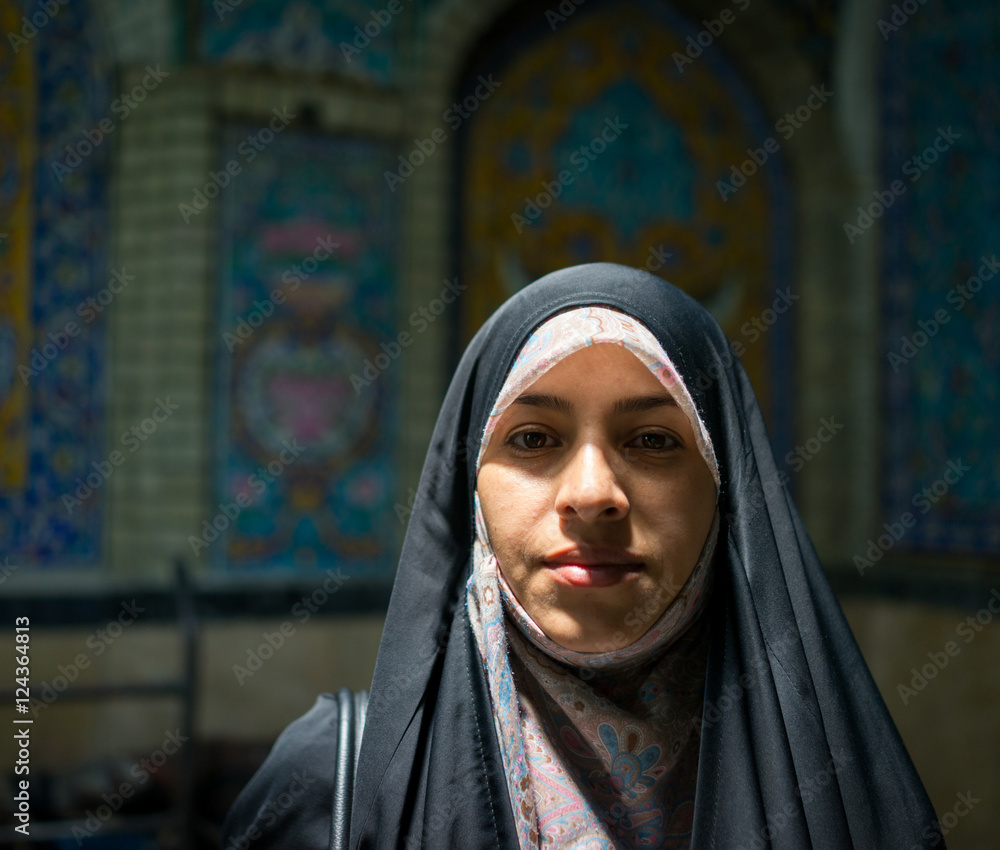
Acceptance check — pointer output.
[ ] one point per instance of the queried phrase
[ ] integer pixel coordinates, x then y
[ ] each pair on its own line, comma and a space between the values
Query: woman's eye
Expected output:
530, 440
654, 441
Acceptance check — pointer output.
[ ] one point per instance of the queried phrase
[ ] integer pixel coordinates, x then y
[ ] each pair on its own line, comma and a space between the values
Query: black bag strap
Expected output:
351, 710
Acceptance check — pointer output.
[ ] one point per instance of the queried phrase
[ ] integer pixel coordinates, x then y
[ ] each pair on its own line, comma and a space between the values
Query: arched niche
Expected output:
835, 322
614, 135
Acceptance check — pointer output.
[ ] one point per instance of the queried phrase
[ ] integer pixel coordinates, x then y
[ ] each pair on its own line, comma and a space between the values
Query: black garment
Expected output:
797, 745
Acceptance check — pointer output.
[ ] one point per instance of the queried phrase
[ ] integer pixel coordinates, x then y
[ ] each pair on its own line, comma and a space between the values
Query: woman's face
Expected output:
596, 499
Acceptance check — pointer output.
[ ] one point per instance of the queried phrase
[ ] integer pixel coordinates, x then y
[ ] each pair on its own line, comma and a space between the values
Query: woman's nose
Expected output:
588, 488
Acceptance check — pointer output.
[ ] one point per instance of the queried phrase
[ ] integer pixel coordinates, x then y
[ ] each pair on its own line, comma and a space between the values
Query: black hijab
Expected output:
797, 747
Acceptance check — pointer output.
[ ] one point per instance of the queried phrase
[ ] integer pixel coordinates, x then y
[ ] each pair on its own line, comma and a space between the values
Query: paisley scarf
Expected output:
599, 748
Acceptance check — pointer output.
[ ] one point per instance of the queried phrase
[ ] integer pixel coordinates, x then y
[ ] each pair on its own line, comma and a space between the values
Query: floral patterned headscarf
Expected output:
600, 749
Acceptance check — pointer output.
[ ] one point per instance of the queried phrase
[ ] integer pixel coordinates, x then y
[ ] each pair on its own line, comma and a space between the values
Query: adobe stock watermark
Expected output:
639, 619
224, 7
98, 643
433, 831
798, 457
453, 116
122, 107
581, 159
562, 13
807, 789
757, 326
901, 13
293, 278
41, 356
7, 569
131, 439
924, 499
248, 149
302, 611
380, 19
753, 330
466, 449
957, 297
701, 41
935, 831
914, 168
785, 127
420, 320
937, 660
268, 815
733, 692
141, 772
44, 12
258, 481
656, 258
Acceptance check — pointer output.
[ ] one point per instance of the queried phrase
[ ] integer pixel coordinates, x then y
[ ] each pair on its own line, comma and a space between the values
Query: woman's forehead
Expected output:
604, 370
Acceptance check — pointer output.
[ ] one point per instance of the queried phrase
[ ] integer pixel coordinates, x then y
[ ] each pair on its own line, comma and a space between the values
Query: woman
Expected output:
606, 630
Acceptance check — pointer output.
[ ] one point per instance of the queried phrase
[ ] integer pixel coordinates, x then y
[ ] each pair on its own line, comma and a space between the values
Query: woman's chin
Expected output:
591, 643
590, 633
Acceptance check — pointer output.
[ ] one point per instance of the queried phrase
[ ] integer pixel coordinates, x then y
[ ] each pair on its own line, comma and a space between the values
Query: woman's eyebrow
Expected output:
552, 402
642, 403
631, 404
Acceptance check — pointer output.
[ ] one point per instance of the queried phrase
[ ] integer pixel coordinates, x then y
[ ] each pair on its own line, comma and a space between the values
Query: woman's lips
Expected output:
593, 575
593, 565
